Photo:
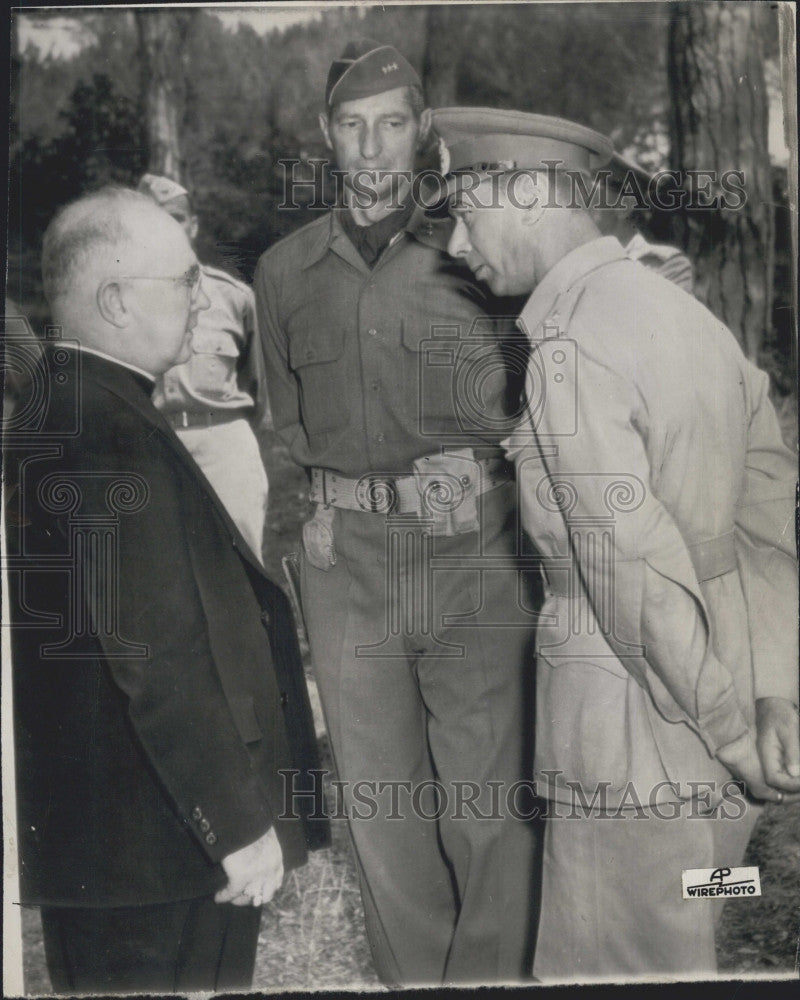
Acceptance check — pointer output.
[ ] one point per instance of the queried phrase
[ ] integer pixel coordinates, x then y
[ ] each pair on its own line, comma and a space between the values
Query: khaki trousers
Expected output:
612, 906
410, 695
229, 456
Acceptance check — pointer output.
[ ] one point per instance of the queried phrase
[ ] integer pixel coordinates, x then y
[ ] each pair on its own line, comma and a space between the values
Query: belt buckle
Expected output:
379, 494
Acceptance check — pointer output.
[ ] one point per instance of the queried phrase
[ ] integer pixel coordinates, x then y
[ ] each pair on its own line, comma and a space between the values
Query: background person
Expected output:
217, 397
626, 195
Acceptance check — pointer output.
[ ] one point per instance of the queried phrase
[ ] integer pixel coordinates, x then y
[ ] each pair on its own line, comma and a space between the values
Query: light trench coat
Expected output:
654, 482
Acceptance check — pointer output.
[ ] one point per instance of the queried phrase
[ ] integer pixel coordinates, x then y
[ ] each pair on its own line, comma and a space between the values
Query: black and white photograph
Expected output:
399, 497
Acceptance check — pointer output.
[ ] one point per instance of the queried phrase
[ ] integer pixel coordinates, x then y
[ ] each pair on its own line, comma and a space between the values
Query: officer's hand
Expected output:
742, 760
255, 872
778, 743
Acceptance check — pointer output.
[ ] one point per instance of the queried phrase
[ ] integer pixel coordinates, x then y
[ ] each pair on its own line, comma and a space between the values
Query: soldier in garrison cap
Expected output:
217, 400
625, 201
654, 482
419, 653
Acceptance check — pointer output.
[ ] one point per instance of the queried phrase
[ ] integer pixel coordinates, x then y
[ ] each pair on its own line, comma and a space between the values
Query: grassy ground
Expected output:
312, 935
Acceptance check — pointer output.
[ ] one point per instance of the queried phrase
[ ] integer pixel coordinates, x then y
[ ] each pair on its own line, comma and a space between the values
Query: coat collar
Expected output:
577, 264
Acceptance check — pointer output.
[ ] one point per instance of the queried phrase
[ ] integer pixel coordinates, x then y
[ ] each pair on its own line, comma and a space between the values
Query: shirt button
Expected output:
372, 332
380, 438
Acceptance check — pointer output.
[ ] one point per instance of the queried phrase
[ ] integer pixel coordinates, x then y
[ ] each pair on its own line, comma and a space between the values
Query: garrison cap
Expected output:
487, 138
630, 180
161, 189
622, 168
365, 68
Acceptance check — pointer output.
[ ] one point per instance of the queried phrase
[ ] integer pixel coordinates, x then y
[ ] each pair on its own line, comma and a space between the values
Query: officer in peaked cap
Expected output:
348, 307
479, 139
670, 661
218, 398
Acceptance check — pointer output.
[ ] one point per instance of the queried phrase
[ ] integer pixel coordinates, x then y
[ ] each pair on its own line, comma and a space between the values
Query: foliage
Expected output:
100, 142
253, 100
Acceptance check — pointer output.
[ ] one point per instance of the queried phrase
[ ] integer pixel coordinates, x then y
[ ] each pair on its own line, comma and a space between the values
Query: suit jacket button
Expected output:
284, 699
197, 813
211, 838
205, 826
265, 618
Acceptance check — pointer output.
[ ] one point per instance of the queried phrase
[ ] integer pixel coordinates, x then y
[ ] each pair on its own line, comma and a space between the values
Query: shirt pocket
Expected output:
214, 342
316, 356
454, 353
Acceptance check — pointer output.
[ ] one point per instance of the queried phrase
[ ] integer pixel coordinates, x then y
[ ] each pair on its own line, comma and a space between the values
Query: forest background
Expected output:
218, 96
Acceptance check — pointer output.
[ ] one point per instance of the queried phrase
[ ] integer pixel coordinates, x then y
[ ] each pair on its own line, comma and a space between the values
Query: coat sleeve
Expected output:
766, 547
283, 389
173, 694
644, 589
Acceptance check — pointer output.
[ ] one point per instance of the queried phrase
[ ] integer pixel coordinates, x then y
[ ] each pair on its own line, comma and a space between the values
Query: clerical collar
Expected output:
124, 364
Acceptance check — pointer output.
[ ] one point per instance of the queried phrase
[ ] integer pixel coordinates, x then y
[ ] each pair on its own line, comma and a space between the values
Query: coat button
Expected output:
372, 332
265, 618
211, 839
205, 826
284, 699
197, 813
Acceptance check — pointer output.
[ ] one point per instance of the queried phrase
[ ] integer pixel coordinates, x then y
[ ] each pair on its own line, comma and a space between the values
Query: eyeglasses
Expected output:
189, 279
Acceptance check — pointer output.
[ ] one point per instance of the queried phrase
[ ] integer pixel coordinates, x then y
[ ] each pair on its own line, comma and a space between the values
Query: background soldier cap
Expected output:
365, 68
161, 189
486, 138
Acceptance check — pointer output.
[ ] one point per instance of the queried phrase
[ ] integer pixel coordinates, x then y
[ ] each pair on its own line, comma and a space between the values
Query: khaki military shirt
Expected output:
226, 369
370, 369
654, 480
667, 261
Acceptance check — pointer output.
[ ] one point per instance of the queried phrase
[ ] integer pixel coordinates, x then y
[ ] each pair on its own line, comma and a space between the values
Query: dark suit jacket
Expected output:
157, 682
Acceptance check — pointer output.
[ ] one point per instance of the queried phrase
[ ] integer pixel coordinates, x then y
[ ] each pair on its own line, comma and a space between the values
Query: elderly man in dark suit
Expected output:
158, 689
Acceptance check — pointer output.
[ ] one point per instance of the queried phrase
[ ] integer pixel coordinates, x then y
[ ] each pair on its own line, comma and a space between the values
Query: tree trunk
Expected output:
719, 119
162, 44
788, 53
